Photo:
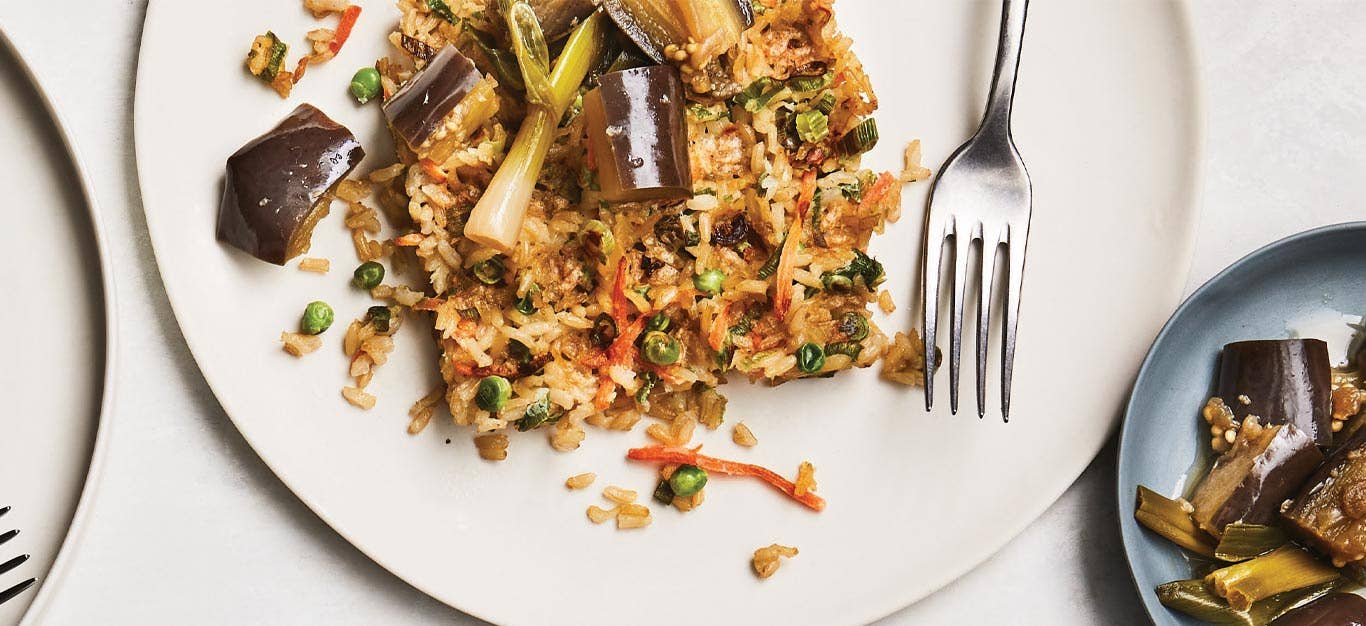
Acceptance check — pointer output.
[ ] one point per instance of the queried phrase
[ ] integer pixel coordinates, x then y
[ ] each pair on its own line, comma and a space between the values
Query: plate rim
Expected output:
85, 503
1184, 33
1155, 611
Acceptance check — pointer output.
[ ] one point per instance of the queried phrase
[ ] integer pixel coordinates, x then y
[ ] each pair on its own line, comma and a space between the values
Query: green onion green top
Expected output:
442, 10
687, 480
659, 322
493, 393
812, 126
368, 275
854, 326
859, 139
850, 349
604, 331
489, 271
317, 318
810, 357
380, 318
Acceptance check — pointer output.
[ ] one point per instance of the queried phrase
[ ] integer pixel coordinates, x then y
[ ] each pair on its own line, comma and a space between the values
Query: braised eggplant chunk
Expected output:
664, 28
280, 184
1334, 609
420, 106
1265, 466
639, 136
1330, 512
1284, 381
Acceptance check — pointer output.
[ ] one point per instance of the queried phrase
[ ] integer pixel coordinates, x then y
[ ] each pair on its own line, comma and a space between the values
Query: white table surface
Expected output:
191, 527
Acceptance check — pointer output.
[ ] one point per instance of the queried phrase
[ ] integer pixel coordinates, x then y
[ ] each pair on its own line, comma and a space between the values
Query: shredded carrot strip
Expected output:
620, 304
432, 169
409, 240
716, 337
428, 304
348, 21
879, 189
299, 69
787, 260
681, 456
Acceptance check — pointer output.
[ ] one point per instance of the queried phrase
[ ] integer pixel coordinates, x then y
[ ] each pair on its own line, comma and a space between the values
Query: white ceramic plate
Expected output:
56, 378
1107, 118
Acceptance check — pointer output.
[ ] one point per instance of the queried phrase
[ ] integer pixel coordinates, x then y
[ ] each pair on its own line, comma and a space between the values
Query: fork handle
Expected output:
997, 117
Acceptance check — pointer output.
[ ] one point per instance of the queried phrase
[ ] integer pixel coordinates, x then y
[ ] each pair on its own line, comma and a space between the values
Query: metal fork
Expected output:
9, 594
982, 194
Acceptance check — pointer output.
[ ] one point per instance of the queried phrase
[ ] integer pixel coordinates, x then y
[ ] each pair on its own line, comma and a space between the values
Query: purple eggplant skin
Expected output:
1288, 381
418, 108
1334, 609
636, 125
280, 184
559, 17
1330, 511
1282, 458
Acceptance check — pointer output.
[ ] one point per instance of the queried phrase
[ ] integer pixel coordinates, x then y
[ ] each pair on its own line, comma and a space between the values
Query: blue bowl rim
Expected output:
1121, 475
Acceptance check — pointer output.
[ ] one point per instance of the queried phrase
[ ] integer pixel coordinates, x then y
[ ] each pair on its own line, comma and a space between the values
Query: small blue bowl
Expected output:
1162, 435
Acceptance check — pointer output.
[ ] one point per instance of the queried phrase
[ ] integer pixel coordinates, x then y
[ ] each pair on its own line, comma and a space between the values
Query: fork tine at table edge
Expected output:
991, 242
929, 286
1018, 241
9, 594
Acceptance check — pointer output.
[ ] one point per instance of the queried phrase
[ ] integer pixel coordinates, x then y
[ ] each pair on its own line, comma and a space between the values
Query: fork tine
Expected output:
962, 247
990, 243
929, 287
1018, 239
3, 510
8, 594
8, 535
12, 563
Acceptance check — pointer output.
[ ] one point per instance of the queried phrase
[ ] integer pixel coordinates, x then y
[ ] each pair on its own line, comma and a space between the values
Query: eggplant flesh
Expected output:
1264, 467
655, 25
1330, 511
1335, 609
638, 135
280, 184
1286, 381
421, 105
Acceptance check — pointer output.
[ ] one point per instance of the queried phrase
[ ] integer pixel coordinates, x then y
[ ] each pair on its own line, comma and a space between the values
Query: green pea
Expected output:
381, 317
489, 271
660, 349
317, 318
537, 414
687, 480
526, 305
368, 275
493, 393
659, 322
365, 84
709, 281
810, 357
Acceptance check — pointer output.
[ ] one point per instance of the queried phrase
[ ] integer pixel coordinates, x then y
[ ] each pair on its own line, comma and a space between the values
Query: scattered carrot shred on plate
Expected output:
681, 456
348, 21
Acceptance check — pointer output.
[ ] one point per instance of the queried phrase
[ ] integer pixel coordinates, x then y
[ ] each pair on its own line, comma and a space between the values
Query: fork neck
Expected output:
996, 121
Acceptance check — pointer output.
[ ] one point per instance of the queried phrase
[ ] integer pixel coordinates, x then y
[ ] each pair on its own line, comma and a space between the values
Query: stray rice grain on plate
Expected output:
580, 481
299, 344
767, 560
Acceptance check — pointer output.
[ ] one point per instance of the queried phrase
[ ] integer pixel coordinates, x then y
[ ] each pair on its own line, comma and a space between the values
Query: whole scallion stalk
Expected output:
1166, 517
497, 218
1284, 569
